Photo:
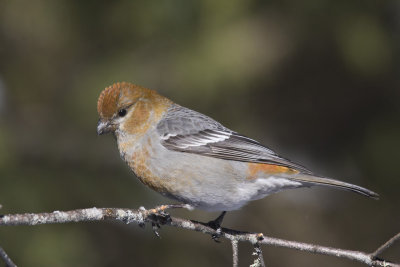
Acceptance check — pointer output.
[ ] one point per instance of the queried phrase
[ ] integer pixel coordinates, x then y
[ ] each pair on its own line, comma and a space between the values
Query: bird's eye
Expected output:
122, 112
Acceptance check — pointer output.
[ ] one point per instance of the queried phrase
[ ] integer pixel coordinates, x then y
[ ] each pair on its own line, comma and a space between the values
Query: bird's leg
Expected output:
158, 216
216, 225
155, 227
158, 219
163, 208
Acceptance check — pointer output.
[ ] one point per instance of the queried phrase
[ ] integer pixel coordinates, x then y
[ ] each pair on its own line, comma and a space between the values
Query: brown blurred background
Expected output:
317, 81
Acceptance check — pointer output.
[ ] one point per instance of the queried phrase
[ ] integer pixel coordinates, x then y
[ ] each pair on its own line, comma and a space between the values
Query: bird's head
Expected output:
128, 108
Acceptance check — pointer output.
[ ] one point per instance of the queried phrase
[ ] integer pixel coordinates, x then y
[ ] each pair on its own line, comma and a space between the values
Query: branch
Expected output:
235, 253
157, 216
386, 245
259, 262
6, 259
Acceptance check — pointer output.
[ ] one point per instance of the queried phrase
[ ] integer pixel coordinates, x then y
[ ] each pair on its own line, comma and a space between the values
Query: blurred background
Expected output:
317, 81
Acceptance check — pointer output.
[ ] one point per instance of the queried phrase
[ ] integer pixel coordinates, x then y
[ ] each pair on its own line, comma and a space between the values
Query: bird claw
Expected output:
157, 219
217, 235
158, 216
216, 225
155, 227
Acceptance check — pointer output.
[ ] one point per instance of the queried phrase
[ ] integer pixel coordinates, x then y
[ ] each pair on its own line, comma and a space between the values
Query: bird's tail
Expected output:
316, 180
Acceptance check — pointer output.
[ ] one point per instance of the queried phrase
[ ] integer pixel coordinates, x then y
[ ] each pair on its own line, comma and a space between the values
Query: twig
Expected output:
6, 259
259, 261
385, 246
158, 216
235, 253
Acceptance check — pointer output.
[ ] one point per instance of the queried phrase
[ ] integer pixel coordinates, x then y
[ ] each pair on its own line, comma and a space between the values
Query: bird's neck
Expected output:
145, 115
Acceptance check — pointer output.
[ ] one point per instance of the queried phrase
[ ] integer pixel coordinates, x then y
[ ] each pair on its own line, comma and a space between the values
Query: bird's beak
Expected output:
104, 127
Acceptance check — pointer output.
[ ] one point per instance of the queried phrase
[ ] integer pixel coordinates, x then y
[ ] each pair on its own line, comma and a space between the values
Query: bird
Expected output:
193, 159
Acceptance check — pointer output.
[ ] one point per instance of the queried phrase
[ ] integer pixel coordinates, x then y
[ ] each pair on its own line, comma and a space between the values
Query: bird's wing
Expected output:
188, 131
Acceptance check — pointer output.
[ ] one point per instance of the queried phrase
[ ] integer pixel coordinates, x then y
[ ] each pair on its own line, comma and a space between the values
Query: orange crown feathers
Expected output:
107, 104
121, 94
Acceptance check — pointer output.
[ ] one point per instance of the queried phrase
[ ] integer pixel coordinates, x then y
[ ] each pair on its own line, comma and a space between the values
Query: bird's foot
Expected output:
157, 218
155, 227
171, 206
216, 225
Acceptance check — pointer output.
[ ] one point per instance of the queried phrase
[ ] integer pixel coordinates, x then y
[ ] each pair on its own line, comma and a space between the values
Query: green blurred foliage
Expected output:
318, 81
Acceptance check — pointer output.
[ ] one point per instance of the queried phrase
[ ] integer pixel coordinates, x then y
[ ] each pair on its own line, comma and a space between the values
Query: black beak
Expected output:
103, 127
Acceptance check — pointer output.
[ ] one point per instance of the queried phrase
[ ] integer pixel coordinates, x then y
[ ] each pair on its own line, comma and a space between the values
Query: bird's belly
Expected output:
195, 180
205, 182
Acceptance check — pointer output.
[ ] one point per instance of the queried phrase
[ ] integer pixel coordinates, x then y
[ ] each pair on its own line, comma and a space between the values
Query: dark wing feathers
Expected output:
188, 131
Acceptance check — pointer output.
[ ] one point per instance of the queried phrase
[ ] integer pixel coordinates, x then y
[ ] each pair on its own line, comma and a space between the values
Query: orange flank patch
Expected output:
255, 169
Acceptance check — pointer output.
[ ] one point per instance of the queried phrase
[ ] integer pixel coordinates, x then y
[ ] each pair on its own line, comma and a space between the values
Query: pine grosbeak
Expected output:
189, 157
